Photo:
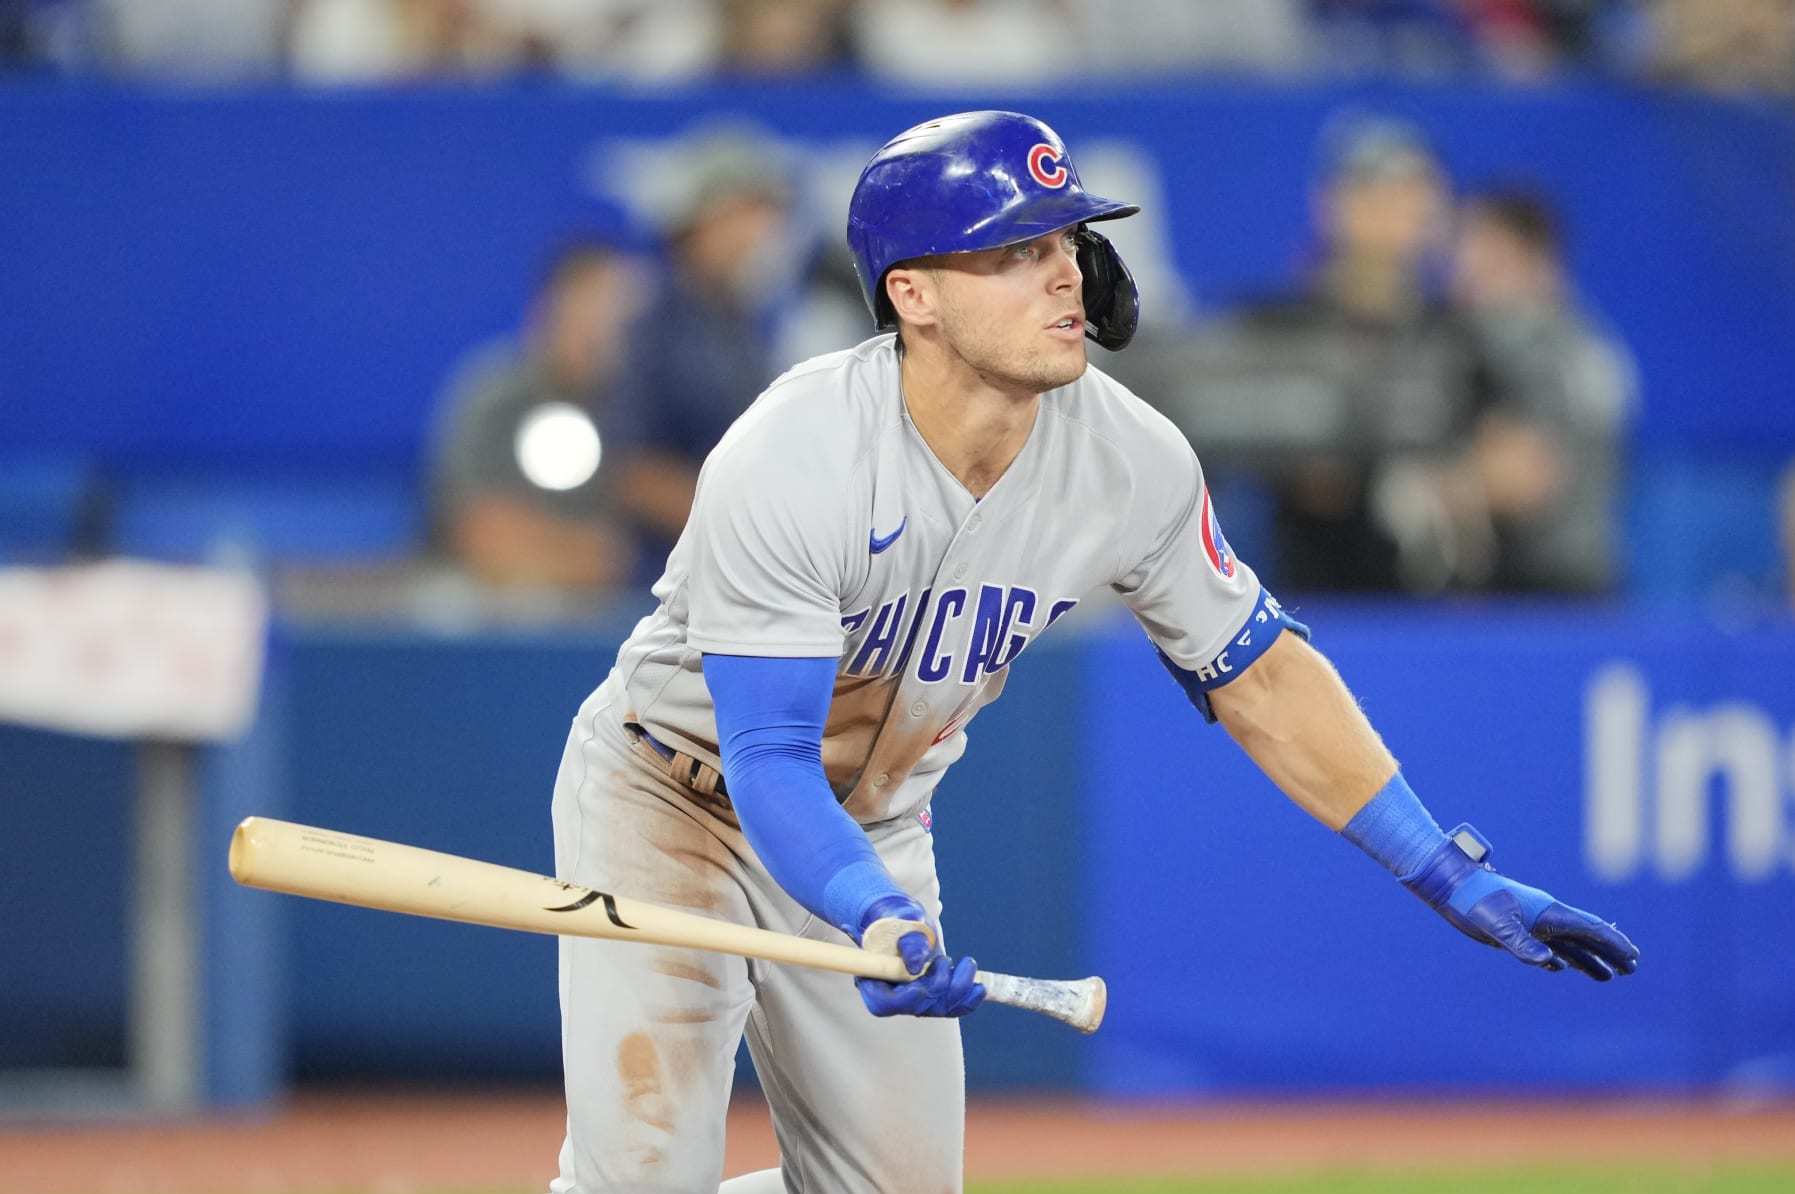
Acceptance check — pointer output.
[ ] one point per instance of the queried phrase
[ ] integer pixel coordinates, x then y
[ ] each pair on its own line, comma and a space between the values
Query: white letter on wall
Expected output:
1739, 743
1614, 712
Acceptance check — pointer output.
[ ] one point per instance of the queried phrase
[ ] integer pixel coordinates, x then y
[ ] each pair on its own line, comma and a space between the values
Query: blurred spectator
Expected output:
213, 39
350, 40
828, 311
520, 496
702, 350
659, 40
1545, 459
1351, 397
1531, 39
1020, 41
1785, 526
1411, 37
988, 42
1725, 45
783, 37
1519, 39
58, 33
354, 41
16, 41
1133, 36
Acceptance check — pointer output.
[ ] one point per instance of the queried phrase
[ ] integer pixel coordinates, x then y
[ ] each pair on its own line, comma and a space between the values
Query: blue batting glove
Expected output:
1459, 883
944, 987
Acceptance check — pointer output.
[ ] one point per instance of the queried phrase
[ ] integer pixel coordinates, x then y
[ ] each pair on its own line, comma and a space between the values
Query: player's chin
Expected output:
1067, 369
1061, 365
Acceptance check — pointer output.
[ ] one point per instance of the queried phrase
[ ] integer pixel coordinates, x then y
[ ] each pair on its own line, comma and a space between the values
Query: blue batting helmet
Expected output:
982, 180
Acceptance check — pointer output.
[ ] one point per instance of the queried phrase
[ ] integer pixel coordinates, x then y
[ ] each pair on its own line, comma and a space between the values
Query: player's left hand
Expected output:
943, 987
1459, 883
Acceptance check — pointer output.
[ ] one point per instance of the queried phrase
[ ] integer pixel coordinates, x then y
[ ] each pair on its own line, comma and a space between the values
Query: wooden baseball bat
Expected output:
369, 873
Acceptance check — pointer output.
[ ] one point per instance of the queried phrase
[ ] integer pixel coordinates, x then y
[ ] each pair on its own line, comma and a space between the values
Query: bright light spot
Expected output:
557, 446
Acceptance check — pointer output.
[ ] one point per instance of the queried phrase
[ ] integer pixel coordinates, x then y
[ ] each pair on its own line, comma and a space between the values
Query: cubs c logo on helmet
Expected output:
1047, 166
1215, 544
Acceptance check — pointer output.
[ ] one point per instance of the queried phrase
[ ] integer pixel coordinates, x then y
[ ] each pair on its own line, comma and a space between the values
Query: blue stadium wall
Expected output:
1641, 766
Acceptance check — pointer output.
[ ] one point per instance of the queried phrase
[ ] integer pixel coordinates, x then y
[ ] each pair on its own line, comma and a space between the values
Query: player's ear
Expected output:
912, 292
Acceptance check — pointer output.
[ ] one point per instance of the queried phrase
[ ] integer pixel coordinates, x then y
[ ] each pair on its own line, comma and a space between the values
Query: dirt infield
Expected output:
395, 1144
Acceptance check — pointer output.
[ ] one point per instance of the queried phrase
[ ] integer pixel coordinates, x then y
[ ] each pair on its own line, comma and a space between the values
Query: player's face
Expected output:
1016, 314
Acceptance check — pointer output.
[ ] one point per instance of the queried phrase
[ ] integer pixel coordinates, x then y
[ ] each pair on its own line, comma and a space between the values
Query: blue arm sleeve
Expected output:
770, 715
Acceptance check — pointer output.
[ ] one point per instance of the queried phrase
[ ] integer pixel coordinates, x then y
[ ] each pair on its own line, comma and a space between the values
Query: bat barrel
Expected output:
325, 864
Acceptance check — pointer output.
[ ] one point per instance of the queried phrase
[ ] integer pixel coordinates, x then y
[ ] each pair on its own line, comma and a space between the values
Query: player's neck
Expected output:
974, 428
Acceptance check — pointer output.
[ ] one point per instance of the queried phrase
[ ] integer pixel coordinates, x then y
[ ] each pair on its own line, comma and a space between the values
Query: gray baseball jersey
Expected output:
824, 526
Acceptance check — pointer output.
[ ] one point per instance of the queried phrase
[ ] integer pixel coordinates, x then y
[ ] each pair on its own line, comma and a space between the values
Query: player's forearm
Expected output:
1293, 715
770, 718
808, 844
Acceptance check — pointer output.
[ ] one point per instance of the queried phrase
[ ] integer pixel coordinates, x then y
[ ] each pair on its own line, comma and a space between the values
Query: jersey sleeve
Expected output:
767, 554
1201, 605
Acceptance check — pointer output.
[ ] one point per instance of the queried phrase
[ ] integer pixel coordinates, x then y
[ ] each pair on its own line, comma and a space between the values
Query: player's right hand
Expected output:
943, 987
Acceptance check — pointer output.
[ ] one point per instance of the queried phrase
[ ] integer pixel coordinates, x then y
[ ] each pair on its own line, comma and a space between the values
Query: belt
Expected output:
682, 768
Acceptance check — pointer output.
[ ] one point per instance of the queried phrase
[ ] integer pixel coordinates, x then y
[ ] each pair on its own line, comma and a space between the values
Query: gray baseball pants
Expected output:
649, 1034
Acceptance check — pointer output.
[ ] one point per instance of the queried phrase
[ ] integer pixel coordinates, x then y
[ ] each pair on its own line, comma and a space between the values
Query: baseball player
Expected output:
872, 545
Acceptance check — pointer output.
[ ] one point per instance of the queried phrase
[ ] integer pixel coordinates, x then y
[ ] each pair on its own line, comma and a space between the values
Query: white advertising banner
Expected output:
126, 649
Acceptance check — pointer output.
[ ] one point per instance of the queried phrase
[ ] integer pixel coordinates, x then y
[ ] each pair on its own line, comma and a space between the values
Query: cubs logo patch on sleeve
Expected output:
1215, 544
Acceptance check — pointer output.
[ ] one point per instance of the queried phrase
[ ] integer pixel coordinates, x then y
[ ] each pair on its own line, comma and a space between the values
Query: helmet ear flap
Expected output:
884, 315
1112, 302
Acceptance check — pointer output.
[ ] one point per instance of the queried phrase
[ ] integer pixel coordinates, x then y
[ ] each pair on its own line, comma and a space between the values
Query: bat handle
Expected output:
881, 937
1078, 1002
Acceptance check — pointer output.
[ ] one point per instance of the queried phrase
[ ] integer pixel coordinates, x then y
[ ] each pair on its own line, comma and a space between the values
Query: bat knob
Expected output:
882, 936
1089, 1013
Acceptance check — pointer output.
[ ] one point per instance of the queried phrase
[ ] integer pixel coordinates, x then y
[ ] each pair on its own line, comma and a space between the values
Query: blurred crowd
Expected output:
1403, 435
1433, 408
566, 456
1731, 45
1377, 429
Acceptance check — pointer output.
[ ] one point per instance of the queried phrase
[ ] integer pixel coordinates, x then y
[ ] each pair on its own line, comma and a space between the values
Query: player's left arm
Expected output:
1293, 714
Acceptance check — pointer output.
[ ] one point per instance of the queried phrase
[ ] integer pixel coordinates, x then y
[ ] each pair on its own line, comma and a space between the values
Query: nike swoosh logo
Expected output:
877, 544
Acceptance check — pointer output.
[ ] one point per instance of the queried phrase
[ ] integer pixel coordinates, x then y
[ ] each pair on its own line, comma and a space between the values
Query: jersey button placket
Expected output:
919, 708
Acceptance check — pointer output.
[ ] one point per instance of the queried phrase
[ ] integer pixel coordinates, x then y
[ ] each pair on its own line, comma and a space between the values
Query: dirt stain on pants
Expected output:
644, 1089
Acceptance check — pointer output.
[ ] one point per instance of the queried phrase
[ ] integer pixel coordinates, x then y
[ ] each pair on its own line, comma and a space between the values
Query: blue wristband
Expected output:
1395, 828
852, 891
